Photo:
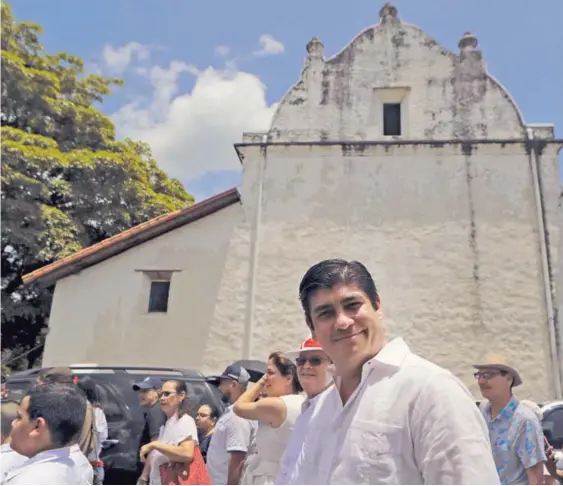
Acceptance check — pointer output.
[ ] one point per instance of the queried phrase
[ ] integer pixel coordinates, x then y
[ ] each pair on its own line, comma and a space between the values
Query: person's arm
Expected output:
270, 410
236, 462
183, 452
237, 444
529, 445
450, 437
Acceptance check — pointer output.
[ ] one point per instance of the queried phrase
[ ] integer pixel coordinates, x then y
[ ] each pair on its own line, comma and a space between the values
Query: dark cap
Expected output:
233, 372
147, 384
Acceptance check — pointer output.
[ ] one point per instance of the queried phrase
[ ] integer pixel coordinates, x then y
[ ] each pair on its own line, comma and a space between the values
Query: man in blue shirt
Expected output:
515, 432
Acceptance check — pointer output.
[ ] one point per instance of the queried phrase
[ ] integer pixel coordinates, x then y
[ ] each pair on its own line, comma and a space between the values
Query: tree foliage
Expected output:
67, 183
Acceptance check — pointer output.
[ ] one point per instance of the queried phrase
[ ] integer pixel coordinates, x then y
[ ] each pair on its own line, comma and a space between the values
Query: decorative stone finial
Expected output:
388, 13
315, 47
468, 41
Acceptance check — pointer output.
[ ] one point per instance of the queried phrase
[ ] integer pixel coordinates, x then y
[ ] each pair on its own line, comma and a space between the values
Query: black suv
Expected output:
123, 412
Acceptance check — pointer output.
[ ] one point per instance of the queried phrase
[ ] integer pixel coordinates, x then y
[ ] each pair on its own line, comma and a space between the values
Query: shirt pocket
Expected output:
371, 452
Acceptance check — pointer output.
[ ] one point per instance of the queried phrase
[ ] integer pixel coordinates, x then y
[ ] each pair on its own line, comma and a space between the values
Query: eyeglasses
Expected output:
487, 375
167, 393
314, 361
203, 415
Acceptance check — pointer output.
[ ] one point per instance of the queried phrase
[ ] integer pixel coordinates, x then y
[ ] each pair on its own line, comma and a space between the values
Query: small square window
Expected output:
158, 299
392, 119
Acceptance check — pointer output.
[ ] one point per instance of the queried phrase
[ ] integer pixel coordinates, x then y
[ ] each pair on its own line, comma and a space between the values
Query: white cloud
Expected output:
117, 59
269, 46
192, 133
222, 51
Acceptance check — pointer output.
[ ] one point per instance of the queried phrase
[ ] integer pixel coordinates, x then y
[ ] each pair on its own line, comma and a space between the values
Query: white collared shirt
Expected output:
303, 439
67, 465
408, 422
10, 459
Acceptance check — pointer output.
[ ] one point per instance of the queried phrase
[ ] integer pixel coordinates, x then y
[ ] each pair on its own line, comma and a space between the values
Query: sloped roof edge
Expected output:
130, 238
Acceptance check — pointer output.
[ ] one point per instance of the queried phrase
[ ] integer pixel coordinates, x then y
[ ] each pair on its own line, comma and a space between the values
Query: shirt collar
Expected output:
312, 401
6, 448
506, 413
391, 357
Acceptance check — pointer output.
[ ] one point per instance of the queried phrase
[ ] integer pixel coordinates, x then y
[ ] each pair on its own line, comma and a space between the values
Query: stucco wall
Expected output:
100, 315
450, 234
448, 96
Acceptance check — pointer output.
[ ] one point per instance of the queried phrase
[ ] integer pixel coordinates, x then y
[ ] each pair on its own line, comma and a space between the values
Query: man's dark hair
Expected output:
62, 406
88, 386
330, 273
59, 374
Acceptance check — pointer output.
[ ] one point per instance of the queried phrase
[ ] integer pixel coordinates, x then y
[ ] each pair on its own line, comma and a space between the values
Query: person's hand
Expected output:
145, 451
142, 480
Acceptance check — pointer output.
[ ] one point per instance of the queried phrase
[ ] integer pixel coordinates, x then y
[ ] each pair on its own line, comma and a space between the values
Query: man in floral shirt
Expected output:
515, 432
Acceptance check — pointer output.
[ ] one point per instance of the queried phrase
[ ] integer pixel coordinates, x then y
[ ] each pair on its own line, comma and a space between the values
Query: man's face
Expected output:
226, 387
346, 325
147, 397
493, 383
29, 437
312, 371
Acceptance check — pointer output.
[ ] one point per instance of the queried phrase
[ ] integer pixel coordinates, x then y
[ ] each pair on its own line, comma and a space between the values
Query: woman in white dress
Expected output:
178, 436
276, 414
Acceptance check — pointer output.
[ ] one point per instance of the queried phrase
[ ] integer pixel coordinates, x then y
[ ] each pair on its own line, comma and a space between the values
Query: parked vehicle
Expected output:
552, 424
123, 412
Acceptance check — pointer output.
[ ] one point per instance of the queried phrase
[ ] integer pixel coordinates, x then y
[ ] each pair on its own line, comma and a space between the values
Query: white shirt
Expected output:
101, 431
408, 422
57, 466
232, 434
174, 432
303, 440
10, 459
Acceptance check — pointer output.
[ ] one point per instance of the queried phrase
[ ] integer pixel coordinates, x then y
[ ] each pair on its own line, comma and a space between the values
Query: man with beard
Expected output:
316, 379
515, 432
392, 417
233, 436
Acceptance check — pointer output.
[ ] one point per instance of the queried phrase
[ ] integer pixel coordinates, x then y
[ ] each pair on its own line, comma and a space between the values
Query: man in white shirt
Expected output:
48, 420
10, 459
233, 436
312, 371
393, 417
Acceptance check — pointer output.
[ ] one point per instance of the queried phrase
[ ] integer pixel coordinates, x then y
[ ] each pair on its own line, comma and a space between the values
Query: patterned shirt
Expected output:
516, 439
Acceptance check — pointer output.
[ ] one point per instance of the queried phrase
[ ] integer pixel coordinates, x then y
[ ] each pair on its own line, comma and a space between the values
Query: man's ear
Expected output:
40, 427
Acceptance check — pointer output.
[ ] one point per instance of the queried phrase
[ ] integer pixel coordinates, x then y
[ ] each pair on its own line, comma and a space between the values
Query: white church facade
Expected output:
395, 152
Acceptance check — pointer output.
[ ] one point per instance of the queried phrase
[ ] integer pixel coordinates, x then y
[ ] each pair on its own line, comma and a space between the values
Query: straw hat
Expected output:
499, 362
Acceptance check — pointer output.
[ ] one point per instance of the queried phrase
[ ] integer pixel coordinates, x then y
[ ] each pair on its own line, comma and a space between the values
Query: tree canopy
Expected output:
67, 182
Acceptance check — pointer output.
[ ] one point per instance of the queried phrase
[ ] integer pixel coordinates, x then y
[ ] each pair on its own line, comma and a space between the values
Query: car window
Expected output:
554, 423
198, 395
111, 407
18, 389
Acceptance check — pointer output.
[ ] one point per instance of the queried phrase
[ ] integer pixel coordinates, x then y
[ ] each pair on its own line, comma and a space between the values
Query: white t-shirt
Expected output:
101, 430
9, 460
67, 465
232, 434
173, 432
408, 422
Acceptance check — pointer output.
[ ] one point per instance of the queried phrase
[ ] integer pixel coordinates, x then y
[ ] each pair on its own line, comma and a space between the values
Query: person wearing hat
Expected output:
315, 378
154, 418
514, 429
233, 436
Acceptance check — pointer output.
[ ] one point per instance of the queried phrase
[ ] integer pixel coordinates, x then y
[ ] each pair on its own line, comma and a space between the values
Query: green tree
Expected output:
67, 183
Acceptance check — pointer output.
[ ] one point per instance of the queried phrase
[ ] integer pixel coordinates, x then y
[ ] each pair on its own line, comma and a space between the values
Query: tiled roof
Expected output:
121, 242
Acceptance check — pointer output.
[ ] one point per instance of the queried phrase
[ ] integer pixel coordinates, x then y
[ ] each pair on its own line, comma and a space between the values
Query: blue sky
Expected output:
199, 73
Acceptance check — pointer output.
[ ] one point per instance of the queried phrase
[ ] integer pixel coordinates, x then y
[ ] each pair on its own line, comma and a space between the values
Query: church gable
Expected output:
395, 82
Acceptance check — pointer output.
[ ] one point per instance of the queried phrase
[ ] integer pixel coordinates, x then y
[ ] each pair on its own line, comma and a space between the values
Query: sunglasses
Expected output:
314, 361
487, 375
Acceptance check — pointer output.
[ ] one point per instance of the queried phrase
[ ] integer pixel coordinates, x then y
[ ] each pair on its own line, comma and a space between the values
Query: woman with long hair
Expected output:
276, 413
88, 386
177, 445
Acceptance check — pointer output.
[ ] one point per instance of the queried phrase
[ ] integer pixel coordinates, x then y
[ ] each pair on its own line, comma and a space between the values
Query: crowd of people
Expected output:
346, 407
